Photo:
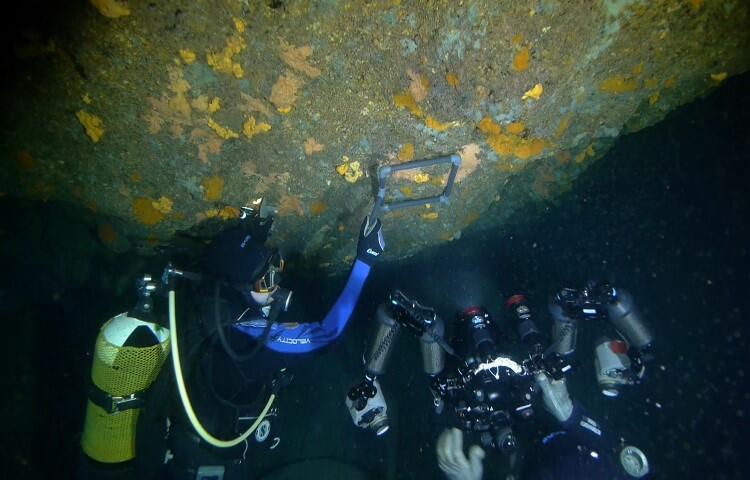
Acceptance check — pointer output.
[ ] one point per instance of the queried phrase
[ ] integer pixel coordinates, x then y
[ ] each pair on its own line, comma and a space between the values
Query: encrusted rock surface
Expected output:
167, 116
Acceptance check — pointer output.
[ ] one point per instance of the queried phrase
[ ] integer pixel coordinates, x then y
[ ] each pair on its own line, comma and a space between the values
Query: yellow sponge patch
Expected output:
212, 188
93, 125
145, 213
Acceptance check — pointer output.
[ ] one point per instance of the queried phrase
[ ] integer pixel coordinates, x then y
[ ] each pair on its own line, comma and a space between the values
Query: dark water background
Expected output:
664, 215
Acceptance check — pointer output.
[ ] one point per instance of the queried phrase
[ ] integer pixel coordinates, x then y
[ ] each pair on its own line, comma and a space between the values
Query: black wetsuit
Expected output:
580, 450
225, 395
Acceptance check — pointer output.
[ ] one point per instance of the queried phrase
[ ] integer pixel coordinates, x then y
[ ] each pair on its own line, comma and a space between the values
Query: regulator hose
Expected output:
185, 399
237, 357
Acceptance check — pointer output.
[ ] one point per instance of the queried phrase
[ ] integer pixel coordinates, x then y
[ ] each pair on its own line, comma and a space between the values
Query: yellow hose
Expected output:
216, 442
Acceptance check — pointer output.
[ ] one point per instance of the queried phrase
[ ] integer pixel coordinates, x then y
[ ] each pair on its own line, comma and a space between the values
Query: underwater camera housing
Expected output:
493, 390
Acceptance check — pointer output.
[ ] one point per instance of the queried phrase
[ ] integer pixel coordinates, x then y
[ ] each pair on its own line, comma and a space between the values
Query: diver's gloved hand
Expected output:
371, 243
452, 461
555, 396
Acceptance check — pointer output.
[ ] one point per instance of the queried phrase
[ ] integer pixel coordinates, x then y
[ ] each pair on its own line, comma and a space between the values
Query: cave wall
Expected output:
167, 116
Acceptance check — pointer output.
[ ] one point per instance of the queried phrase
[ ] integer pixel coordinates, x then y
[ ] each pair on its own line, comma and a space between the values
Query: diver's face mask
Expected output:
266, 289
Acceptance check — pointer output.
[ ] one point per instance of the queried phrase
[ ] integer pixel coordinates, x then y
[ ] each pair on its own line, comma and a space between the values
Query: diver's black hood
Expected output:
236, 256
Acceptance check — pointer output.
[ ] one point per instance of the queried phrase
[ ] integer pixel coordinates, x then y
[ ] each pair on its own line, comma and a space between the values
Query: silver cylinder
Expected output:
433, 355
564, 330
628, 320
380, 349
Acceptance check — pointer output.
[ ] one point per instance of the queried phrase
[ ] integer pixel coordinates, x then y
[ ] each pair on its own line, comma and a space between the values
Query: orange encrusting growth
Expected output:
437, 125
618, 84
515, 128
487, 126
145, 213
451, 79
511, 143
107, 234
212, 188
406, 153
521, 148
318, 208
521, 60
406, 100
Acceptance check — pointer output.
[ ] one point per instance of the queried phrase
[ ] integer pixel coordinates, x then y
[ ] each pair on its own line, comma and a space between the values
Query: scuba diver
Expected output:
229, 362
490, 390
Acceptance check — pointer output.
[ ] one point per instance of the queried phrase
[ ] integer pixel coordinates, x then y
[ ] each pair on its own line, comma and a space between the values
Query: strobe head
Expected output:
474, 311
367, 407
518, 307
476, 319
479, 332
410, 313
588, 303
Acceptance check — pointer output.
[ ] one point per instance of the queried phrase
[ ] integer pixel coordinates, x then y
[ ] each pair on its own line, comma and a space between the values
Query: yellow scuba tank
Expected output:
128, 356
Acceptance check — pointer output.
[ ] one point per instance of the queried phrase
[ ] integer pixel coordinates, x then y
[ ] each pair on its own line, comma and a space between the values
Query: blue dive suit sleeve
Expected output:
307, 337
